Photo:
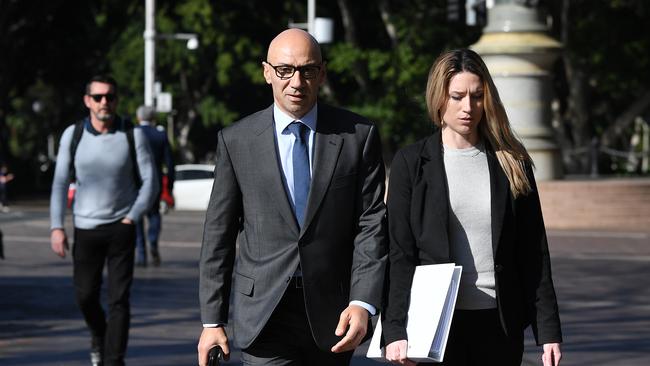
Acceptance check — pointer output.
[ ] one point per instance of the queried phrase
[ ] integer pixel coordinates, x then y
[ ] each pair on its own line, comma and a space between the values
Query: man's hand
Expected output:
396, 353
355, 319
59, 242
211, 337
552, 354
127, 221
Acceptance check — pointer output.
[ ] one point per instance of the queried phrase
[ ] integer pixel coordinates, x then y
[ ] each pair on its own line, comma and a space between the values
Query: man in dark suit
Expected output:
300, 186
162, 154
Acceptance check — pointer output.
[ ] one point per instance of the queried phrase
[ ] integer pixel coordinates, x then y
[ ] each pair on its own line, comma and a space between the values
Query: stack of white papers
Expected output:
432, 302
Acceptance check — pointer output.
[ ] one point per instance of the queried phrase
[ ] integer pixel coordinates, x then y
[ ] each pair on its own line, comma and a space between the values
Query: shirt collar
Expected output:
118, 124
282, 120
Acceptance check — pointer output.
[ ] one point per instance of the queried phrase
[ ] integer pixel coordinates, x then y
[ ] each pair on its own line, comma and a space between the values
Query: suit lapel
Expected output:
433, 173
266, 160
327, 147
499, 190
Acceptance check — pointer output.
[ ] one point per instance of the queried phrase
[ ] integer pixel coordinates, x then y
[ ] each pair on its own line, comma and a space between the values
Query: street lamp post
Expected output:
150, 37
149, 51
320, 28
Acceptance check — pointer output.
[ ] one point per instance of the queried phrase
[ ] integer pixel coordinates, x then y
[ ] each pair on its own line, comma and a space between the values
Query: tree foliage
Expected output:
377, 66
603, 83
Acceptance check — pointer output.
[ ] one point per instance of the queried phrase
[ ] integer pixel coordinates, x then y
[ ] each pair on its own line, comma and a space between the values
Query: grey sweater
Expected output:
106, 188
470, 225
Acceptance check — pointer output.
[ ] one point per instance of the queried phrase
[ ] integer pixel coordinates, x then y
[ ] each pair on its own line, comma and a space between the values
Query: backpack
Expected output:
76, 137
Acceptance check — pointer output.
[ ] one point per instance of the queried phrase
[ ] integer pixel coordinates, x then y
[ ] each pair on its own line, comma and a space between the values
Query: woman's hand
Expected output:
396, 353
552, 354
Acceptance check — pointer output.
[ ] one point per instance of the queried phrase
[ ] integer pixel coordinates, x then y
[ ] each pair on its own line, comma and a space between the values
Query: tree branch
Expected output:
391, 30
626, 118
358, 70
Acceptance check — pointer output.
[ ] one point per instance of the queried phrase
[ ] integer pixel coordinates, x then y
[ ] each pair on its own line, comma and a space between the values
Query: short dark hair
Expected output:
102, 78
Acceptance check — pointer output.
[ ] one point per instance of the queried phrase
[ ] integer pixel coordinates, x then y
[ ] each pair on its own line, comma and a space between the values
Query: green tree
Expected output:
377, 66
603, 82
49, 49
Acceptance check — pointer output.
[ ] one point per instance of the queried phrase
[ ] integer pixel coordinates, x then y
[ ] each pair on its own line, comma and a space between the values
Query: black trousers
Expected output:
112, 244
287, 340
477, 338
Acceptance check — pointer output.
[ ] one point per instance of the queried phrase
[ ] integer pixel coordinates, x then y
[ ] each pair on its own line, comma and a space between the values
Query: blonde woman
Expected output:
467, 194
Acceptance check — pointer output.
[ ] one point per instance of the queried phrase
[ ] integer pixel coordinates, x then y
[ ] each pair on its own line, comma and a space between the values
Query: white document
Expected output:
433, 298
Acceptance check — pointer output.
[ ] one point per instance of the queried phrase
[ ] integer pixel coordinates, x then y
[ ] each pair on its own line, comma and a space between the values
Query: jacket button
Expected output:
498, 268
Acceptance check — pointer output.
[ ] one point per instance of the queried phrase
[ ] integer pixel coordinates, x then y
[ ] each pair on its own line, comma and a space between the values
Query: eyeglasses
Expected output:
285, 72
98, 97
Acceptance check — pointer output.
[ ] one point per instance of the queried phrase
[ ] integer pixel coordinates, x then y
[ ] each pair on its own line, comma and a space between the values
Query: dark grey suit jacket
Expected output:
342, 247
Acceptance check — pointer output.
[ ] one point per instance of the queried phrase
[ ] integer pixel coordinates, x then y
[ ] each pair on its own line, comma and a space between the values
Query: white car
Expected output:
192, 186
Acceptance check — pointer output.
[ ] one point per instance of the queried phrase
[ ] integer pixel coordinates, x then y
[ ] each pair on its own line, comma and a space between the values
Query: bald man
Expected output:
300, 187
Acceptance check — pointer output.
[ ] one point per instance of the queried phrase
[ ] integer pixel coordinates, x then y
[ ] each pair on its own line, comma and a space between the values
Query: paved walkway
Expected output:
601, 279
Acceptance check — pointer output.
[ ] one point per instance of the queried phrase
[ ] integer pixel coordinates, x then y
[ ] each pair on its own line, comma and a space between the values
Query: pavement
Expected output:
601, 279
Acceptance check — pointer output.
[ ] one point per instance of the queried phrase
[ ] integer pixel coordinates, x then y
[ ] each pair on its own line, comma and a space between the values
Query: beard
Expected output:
104, 116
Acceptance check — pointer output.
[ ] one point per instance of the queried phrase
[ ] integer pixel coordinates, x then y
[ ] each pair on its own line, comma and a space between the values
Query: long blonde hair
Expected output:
494, 126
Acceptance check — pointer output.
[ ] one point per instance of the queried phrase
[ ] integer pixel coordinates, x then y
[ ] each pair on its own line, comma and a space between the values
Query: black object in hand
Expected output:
214, 355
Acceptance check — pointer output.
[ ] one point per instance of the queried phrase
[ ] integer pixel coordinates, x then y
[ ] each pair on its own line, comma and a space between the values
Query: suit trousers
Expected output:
112, 244
477, 338
286, 339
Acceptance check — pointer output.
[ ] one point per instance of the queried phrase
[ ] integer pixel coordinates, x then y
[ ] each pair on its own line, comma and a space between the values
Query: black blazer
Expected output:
418, 216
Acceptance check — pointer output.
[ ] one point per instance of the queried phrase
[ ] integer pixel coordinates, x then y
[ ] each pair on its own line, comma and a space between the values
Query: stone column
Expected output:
520, 55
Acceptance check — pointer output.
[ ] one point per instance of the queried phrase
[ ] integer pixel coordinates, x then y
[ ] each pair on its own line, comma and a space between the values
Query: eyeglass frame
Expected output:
110, 97
295, 68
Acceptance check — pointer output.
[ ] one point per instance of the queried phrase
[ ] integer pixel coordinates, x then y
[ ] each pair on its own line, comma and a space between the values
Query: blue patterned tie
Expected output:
301, 175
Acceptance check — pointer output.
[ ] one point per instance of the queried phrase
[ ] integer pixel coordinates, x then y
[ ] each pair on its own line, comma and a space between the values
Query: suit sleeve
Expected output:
146, 167
370, 244
535, 267
222, 223
403, 251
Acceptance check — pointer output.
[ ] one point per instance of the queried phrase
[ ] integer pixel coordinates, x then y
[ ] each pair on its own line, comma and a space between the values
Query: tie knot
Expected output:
298, 129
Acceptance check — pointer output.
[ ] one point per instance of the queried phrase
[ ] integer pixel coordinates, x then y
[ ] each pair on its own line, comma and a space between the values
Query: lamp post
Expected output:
319, 28
150, 37
149, 51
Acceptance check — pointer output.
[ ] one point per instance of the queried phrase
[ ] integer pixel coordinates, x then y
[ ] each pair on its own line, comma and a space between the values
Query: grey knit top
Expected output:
106, 189
470, 225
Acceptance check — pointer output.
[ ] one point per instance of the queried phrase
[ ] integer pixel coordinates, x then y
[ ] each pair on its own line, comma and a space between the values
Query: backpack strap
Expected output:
76, 137
128, 127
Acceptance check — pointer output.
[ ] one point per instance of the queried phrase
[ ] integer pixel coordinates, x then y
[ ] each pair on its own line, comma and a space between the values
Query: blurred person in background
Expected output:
162, 156
5, 177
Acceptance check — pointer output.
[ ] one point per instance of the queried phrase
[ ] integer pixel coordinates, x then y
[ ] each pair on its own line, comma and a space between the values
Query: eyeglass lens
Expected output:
287, 71
98, 97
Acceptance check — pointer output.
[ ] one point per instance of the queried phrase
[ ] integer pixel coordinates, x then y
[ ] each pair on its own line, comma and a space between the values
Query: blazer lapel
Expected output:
434, 177
266, 160
327, 147
499, 190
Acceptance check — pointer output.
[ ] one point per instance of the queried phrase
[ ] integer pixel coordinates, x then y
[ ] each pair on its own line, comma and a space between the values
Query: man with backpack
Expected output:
112, 167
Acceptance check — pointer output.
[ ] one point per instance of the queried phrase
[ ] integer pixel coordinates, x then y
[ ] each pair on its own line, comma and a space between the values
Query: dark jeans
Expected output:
287, 340
153, 231
477, 338
113, 244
